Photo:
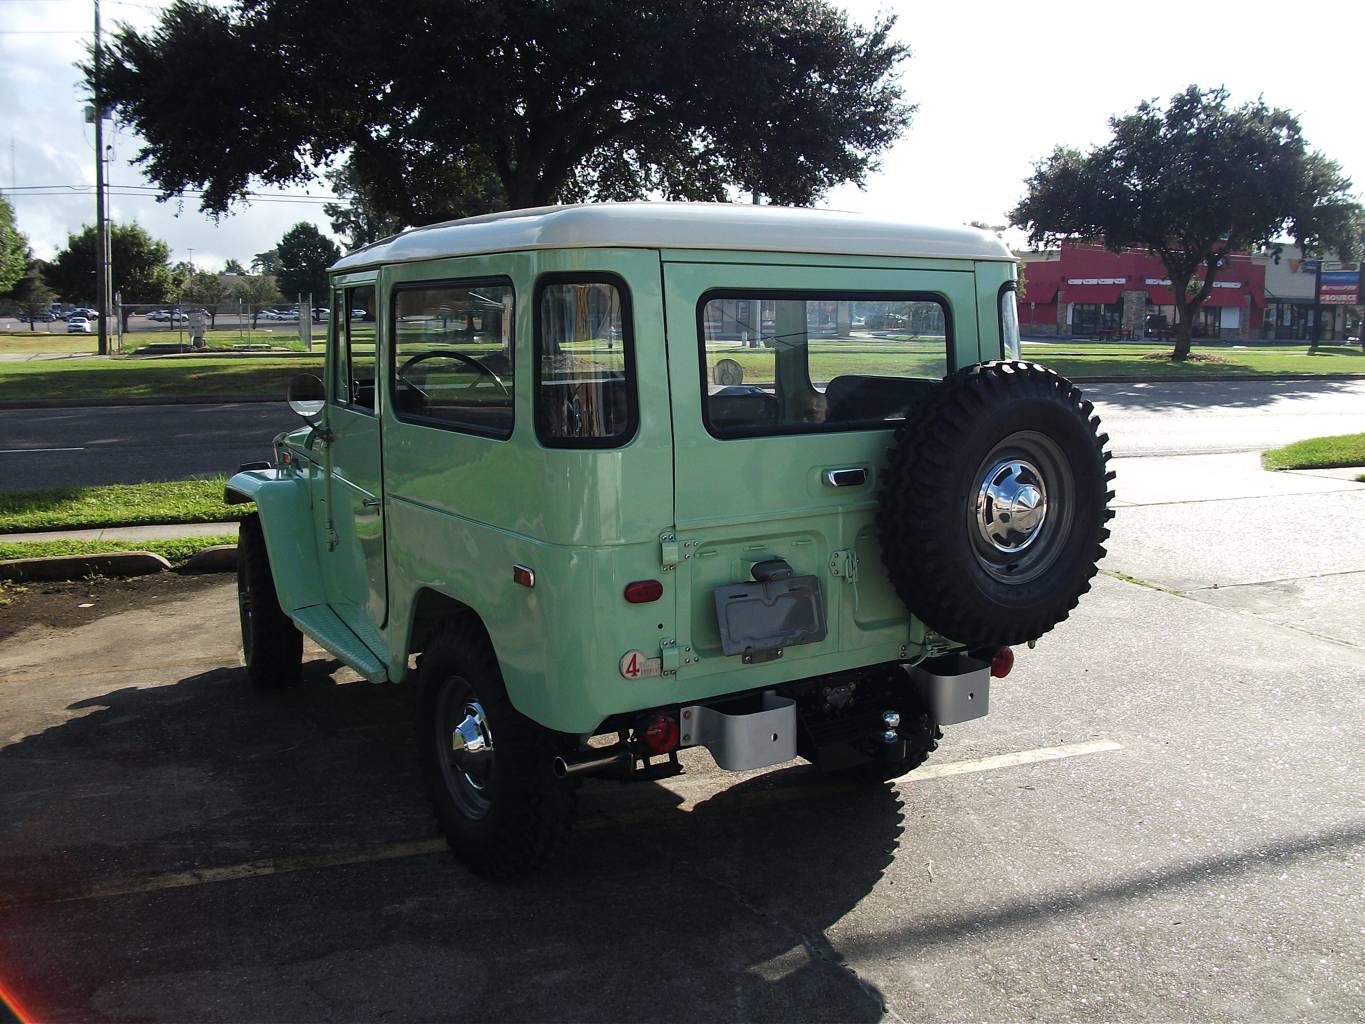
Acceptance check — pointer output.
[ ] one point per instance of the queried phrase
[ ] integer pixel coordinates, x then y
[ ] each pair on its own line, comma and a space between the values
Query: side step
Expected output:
325, 627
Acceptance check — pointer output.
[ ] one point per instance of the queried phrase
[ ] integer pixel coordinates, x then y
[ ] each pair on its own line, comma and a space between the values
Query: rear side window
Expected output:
801, 362
585, 383
452, 355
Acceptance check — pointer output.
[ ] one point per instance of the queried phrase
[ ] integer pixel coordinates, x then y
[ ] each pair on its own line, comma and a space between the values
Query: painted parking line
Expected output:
421, 847
29, 451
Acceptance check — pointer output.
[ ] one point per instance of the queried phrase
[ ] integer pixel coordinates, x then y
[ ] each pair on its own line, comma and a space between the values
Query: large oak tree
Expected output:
450, 107
1192, 183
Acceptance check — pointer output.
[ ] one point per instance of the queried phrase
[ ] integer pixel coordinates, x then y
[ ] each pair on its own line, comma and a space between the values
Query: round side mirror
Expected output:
307, 397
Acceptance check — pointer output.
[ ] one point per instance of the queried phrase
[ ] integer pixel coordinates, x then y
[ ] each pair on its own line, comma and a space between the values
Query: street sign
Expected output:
1340, 287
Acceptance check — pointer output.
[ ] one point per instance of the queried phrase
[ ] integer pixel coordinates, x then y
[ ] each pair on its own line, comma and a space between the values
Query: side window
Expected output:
584, 359
353, 317
779, 363
452, 355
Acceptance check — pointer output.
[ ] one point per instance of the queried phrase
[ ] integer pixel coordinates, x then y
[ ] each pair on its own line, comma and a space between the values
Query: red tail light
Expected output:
661, 734
1001, 662
644, 591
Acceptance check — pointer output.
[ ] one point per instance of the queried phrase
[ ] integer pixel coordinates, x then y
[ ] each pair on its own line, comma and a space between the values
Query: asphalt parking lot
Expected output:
1163, 818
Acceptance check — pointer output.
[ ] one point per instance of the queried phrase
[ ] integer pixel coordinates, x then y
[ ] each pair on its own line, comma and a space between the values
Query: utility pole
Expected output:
101, 226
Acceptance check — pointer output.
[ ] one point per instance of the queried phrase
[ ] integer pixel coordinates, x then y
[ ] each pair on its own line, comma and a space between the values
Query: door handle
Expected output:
853, 476
373, 503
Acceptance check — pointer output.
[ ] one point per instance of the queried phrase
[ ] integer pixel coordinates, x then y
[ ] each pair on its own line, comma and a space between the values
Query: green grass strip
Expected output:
176, 551
1318, 453
74, 508
152, 378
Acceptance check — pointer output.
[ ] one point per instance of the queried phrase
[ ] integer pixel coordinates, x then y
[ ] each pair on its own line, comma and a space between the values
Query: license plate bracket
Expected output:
758, 620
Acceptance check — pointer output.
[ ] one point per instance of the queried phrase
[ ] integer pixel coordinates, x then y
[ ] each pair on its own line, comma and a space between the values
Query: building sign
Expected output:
1165, 282
1096, 280
1340, 287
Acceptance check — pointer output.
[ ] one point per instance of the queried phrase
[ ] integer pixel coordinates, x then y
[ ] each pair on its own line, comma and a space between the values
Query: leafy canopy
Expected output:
14, 251
1192, 183
450, 107
302, 259
141, 271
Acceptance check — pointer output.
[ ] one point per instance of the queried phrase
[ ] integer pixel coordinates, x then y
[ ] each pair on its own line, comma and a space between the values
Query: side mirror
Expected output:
307, 397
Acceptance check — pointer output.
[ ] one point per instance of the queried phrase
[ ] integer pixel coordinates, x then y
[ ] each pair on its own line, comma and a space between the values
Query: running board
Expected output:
330, 633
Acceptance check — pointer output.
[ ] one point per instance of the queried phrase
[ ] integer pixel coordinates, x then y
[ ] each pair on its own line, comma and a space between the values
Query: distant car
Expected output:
321, 313
79, 325
360, 314
268, 314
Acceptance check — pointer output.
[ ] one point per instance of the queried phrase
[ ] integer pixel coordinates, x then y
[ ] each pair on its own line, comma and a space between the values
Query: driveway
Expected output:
1161, 819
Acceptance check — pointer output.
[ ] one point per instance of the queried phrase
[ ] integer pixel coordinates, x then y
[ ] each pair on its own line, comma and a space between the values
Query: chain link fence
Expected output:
227, 326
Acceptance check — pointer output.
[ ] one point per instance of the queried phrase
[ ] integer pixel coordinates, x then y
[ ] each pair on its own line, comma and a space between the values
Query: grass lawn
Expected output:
152, 378
1318, 453
177, 552
75, 508
26, 342
55, 344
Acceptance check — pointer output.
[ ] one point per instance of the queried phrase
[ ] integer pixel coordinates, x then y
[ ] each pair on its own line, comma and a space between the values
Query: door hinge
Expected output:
844, 564
672, 656
670, 552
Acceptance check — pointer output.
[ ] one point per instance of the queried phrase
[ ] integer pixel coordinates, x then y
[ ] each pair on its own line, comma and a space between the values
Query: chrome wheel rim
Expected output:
1021, 507
465, 748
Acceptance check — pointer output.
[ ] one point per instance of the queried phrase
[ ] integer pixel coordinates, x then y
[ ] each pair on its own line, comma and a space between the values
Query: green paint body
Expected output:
458, 511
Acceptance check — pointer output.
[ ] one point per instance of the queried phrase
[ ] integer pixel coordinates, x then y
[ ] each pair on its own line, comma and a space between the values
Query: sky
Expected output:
997, 86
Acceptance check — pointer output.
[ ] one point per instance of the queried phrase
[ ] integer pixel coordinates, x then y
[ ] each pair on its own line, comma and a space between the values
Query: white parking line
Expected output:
1022, 757
25, 451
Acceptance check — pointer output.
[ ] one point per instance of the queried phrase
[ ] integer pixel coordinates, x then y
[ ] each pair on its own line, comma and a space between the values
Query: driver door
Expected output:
354, 558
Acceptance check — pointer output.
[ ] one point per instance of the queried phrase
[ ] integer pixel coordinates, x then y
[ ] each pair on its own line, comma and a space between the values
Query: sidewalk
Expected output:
166, 531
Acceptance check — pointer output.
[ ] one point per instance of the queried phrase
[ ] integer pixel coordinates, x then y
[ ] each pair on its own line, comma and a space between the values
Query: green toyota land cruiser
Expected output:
623, 479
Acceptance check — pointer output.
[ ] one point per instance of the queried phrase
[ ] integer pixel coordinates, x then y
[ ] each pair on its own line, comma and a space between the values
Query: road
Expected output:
1160, 819
62, 447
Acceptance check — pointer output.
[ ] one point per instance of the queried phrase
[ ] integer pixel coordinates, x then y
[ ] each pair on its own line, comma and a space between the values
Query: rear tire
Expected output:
272, 645
487, 767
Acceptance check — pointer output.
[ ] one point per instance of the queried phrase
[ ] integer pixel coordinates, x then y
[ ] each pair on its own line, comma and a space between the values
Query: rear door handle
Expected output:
372, 502
853, 476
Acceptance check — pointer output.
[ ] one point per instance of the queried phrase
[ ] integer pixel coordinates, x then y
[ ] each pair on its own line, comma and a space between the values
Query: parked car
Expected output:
578, 534
79, 325
321, 313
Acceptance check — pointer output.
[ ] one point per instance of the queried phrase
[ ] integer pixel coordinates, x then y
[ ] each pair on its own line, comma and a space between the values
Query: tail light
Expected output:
644, 591
661, 734
1001, 663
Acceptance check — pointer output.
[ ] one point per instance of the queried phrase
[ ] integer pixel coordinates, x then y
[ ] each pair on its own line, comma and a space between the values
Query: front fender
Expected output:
284, 500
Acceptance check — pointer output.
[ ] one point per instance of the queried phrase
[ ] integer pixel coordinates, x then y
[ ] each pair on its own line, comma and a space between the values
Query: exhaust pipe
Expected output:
618, 756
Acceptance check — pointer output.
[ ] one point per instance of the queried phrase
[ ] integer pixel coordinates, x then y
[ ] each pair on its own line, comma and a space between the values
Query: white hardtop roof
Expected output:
736, 226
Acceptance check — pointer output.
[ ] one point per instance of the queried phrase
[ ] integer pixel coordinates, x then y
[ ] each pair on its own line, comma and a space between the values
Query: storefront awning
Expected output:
1039, 294
1105, 294
1164, 295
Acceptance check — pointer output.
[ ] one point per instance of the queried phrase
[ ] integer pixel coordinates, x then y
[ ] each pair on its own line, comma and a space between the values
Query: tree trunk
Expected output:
1184, 318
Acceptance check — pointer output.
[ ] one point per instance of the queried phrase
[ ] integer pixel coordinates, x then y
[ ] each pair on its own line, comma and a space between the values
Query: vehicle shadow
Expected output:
660, 908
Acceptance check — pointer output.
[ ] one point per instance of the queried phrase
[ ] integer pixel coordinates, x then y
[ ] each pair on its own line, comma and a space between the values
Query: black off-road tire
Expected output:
521, 814
940, 559
272, 645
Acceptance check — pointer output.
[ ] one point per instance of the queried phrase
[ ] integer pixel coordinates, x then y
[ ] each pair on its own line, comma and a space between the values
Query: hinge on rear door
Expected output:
844, 564
672, 656
670, 552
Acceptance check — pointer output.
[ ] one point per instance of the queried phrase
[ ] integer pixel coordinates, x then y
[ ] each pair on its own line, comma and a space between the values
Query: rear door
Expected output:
787, 382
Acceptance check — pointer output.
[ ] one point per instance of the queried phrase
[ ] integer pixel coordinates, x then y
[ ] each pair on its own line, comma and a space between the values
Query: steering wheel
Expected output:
408, 364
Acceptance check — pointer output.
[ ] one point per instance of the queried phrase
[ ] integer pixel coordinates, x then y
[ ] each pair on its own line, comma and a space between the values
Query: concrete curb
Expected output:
75, 567
219, 558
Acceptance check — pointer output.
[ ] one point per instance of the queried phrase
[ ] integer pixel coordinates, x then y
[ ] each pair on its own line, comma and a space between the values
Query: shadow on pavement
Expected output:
1196, 395
655, 911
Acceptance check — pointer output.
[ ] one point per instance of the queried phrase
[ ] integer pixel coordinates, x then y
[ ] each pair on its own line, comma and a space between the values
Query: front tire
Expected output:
487, 768
272, 645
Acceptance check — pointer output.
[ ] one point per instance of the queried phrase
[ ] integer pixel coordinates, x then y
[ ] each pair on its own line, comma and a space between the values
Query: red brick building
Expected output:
1086, 291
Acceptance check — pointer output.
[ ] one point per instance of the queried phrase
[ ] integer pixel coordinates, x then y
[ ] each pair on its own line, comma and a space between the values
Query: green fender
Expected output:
284, 500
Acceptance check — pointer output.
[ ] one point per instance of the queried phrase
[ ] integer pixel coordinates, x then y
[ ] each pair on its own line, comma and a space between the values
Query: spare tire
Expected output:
994, 503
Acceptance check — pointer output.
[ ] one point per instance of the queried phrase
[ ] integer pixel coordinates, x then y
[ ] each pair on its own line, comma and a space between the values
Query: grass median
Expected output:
177, 551
1335, 452
76, 508
153, 378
